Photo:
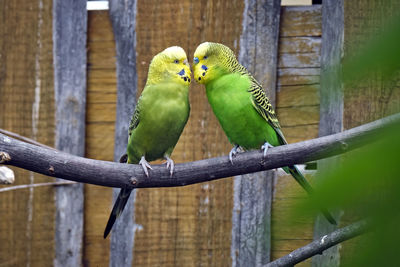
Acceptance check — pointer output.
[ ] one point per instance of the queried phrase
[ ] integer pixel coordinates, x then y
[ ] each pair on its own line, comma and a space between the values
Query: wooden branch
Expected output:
321, 244
66, 166
25, 186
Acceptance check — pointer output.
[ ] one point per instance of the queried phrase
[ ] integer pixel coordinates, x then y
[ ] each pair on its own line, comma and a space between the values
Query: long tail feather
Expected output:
298, 176
117, 209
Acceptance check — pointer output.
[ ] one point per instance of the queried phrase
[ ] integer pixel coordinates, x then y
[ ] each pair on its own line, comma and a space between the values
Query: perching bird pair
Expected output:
237, 99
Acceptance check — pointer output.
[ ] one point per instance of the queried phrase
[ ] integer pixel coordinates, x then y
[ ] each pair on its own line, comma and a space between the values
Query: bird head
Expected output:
170, 65
211, 60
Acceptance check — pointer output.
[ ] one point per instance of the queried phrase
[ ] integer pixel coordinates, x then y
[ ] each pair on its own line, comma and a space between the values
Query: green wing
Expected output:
135, 117
264, 108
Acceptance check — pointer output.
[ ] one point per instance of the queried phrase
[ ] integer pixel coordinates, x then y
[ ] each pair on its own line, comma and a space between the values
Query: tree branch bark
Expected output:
66, 166
321, 244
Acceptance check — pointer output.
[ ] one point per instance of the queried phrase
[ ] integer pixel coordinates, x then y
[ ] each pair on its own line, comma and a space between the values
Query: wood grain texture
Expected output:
297, 107
301, 21
123, 21
299, 69
27, 108
69, 19
289, 233
100, 125
331, 111
188, 226
251, 220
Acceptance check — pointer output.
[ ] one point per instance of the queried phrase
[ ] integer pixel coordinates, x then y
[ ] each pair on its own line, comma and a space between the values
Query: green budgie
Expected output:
241, 105
160, 116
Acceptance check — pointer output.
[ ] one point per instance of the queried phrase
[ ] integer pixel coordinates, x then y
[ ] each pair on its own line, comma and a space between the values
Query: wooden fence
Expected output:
189, 226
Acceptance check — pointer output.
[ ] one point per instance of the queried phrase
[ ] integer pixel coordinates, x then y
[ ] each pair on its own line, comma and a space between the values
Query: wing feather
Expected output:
135, 117
264, 107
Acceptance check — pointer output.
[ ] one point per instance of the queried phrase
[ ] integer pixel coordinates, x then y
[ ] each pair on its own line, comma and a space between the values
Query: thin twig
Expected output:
25, 186
321, 244
66, 166
23, 138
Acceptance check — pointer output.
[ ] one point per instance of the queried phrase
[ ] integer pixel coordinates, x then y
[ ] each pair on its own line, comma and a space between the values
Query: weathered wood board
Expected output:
27, 108
298, 112
69, 19
251, 218
100, 120
123, 21
331, 112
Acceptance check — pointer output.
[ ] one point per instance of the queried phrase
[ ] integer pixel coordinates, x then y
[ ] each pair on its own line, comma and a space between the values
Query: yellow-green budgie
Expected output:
161, 114
241, 105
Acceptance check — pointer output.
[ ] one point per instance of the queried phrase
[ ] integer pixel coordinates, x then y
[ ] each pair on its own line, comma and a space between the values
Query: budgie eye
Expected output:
205, 57
176, 61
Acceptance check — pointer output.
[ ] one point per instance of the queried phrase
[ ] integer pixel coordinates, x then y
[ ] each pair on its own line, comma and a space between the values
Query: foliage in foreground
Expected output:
367, 182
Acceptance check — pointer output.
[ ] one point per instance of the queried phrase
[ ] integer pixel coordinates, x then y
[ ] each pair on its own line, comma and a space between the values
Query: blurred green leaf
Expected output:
366, 183
380, 54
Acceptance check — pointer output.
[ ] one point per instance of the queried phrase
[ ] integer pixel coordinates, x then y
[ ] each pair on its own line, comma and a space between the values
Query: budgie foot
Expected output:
170, 165
233, 153
265, 147
145, 165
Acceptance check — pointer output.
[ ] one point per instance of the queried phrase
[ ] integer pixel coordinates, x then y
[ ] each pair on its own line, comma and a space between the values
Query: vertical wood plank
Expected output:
331, 90
69, 37
331, 109
297, 107
101, 99
27, 108
251, 218
123, 20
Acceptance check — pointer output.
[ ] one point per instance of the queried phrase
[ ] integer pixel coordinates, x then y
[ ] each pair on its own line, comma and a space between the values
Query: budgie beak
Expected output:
196, 60
185, 73
200, 73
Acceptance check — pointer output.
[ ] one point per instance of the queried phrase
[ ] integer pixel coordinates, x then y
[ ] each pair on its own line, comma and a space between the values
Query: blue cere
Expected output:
196, 60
